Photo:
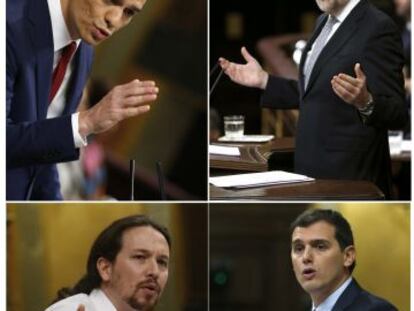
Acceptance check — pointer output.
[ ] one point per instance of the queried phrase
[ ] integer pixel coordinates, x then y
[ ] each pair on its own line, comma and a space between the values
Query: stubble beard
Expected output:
136, 305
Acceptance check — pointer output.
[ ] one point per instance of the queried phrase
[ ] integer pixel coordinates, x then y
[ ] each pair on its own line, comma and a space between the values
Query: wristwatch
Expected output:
369, 107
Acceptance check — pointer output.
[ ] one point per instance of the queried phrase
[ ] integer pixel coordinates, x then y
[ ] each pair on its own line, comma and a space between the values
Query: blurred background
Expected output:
275, 32
250, 265
167, 43
48, 246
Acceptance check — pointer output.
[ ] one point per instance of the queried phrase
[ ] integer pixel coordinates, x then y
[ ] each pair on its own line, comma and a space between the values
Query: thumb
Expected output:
81, 308
246, 55
358, 71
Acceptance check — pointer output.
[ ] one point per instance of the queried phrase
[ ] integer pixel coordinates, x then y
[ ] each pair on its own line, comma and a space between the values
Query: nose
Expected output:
307, 255
113, 18
153, 268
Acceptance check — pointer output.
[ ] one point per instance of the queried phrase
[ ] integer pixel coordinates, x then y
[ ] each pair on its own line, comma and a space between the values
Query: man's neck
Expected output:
65, 12
320, 296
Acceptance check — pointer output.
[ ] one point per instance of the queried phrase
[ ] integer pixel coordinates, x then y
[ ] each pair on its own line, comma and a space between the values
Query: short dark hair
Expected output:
107, 245
343, 231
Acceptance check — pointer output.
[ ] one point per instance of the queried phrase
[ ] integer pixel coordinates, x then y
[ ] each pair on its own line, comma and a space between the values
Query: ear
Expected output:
349, 256
104, 267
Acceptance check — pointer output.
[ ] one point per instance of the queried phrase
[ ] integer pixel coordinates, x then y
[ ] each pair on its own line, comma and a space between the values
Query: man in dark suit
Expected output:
49, 56
350, 93
323, 258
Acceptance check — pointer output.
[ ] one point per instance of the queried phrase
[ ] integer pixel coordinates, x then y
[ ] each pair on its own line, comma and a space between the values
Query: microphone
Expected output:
214, 68
218, 77
161, 181
132, 177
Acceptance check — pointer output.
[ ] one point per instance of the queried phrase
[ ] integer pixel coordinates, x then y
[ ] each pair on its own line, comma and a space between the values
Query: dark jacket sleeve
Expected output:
280, 93
382, 65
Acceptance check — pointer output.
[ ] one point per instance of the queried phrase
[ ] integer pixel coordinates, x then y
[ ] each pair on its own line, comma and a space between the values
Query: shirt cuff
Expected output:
77, 138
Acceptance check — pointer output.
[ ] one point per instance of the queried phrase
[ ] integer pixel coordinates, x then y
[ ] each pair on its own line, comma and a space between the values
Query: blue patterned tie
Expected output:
318, 47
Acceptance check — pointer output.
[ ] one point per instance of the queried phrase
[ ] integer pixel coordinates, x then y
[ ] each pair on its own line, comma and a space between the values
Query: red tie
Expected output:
59, 72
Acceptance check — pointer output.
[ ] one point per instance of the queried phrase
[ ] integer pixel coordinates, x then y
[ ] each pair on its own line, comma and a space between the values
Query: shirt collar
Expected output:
61, 36
328, 303
346, 10
100, 301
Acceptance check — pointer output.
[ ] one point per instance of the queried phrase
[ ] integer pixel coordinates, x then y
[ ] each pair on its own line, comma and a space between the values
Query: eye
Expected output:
139, 257
163, 263
321, 246
129, 13
297, 248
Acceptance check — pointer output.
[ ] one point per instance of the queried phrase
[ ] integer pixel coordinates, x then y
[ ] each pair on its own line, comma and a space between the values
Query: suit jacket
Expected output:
333, 141
34, 143
354, 298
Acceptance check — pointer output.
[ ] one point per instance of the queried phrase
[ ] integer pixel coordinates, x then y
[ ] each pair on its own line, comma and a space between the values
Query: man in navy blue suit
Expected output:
49, 56
350, 92
323, 258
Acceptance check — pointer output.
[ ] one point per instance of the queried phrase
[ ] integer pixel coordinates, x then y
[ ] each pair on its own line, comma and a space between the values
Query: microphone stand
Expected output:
132, 178
161, 181
215, 67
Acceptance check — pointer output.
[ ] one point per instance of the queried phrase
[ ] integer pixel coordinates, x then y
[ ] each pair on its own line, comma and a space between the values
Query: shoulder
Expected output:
379, 18
70, 303
369, 302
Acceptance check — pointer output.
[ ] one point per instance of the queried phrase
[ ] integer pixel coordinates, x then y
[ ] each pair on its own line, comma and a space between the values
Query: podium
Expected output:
255, 158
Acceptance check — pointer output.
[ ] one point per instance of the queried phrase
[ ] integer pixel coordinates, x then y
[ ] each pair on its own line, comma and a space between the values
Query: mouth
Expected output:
100, 33
308, 273
150, 288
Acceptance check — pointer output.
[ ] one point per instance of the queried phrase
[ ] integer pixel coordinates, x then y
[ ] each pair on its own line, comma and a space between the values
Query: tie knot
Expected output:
332, 20
68, 50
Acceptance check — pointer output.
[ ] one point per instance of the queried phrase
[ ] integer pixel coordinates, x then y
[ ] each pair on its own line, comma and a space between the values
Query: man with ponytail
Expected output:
127, 269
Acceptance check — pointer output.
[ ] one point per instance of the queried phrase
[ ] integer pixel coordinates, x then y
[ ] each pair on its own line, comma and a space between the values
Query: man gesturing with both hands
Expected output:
350, 93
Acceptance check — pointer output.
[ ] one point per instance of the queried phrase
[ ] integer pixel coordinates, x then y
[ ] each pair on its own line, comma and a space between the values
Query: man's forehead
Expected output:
145, 238
320, 230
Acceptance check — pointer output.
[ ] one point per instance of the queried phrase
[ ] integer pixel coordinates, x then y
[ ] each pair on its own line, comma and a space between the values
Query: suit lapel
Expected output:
345, 31
42, 40
348, 296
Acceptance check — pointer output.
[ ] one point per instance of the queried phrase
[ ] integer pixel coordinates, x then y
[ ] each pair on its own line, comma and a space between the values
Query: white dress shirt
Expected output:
95, 301
328, 303
62, 38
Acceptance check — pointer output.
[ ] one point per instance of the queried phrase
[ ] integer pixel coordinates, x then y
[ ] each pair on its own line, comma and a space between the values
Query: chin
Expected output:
142, 304
310, 286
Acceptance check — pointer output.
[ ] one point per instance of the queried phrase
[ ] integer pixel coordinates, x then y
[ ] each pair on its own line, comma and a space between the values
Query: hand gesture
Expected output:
122, 102
352, 90
249, 74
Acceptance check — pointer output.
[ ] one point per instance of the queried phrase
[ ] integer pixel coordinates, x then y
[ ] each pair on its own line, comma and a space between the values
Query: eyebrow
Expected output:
147, 252
312, 242
131, 6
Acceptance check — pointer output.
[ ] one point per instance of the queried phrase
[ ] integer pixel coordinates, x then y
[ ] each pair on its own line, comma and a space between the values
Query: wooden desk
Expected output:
315, 190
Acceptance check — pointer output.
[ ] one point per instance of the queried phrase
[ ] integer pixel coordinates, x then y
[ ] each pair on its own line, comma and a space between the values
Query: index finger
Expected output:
353, 81
141, 83
139, 87
224, 63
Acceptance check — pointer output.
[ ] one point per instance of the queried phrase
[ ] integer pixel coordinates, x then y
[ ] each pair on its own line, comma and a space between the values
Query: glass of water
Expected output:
234, 126
395, 139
